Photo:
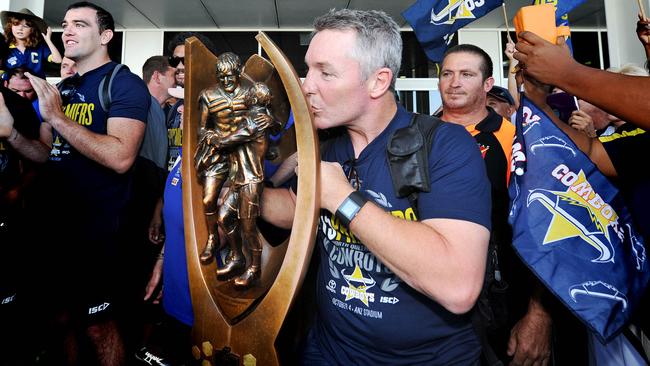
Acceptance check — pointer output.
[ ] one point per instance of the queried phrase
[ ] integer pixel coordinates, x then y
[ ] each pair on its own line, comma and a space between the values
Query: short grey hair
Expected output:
379, 43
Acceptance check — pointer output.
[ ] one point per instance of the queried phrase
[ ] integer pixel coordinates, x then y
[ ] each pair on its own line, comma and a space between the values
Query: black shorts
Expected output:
86, 268
10, 250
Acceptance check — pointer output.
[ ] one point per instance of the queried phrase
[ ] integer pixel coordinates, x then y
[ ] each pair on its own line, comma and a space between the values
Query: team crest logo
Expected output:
578, 212
358, 286
455, 9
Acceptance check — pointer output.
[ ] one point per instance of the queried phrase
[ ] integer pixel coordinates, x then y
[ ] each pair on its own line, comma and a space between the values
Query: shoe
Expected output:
248, 278
207, 255
145, 356
233, 267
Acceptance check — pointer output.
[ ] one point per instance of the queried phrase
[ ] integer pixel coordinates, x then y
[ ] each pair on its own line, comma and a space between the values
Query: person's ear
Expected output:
380, 82
488, 84
106, 37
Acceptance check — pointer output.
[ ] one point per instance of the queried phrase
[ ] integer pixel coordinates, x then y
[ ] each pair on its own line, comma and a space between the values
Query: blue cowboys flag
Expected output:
571, 228
436, 21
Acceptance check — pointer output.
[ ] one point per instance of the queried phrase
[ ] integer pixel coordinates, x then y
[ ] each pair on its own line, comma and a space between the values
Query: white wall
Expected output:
36, 6
624, 47
138, 46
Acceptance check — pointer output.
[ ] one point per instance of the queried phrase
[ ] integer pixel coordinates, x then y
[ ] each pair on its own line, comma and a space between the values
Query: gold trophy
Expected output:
230, 109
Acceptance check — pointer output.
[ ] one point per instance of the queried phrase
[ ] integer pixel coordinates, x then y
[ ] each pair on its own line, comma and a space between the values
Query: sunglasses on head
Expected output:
174, 61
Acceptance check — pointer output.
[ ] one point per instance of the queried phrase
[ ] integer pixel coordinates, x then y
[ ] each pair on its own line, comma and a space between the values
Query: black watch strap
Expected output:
350, 207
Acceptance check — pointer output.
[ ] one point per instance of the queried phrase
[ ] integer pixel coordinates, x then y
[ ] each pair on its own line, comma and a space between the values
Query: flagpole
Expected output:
505, 17
641, 8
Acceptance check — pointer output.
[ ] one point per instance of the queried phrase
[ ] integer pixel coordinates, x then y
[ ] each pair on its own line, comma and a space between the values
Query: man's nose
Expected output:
308, 84
455, 80
67, 29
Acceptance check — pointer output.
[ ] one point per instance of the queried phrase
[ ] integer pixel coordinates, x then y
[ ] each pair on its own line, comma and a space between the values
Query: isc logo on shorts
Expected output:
98, 308
8, 300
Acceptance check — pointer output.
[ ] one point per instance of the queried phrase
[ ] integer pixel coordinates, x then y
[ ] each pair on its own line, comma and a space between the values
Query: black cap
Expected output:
501, 94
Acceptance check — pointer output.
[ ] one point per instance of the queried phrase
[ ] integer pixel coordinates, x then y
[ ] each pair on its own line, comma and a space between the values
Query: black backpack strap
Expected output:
408, 151
105, 87
488, 355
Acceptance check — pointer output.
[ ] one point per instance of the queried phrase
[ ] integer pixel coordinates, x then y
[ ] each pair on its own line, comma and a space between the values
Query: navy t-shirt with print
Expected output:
367, 315
77, 179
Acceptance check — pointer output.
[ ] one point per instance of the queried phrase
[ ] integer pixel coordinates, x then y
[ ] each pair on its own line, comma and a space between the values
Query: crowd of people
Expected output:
91, 215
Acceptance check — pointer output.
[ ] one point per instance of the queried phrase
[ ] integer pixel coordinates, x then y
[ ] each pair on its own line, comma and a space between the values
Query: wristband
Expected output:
350, 207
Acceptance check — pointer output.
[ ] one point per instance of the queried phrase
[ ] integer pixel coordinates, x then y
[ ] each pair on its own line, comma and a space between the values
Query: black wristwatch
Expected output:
350, 207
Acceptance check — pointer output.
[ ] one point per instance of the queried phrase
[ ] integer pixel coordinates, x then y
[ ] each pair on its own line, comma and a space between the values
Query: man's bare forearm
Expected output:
441, 258
107, 150
33, 150
278, 207
598, 87
553, 65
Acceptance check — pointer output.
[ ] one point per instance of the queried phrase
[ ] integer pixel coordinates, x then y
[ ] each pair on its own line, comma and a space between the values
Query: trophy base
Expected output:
224, 357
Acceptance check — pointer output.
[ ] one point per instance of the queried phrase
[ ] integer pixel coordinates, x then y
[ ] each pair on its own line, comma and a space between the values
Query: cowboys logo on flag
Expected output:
571, 227
435, 21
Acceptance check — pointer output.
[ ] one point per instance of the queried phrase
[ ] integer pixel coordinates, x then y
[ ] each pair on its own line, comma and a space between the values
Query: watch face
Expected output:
348, 208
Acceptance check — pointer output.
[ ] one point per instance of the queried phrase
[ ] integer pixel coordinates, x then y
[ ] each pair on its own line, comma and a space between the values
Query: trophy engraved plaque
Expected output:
242, 287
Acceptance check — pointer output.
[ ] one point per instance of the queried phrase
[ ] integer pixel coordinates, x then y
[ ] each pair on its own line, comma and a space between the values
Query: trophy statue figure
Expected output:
234, 120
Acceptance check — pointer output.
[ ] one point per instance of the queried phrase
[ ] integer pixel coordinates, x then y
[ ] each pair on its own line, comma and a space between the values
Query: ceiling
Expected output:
277, 14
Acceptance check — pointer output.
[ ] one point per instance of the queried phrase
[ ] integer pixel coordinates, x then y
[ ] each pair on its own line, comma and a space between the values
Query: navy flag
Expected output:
436, 21
562, 8
571, 228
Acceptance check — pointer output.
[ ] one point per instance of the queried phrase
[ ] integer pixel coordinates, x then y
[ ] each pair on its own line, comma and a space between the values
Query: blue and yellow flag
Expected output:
436, 21
562, 9
571, 228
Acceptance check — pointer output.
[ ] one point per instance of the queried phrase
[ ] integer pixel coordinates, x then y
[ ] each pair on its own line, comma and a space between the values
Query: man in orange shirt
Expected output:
464, 83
